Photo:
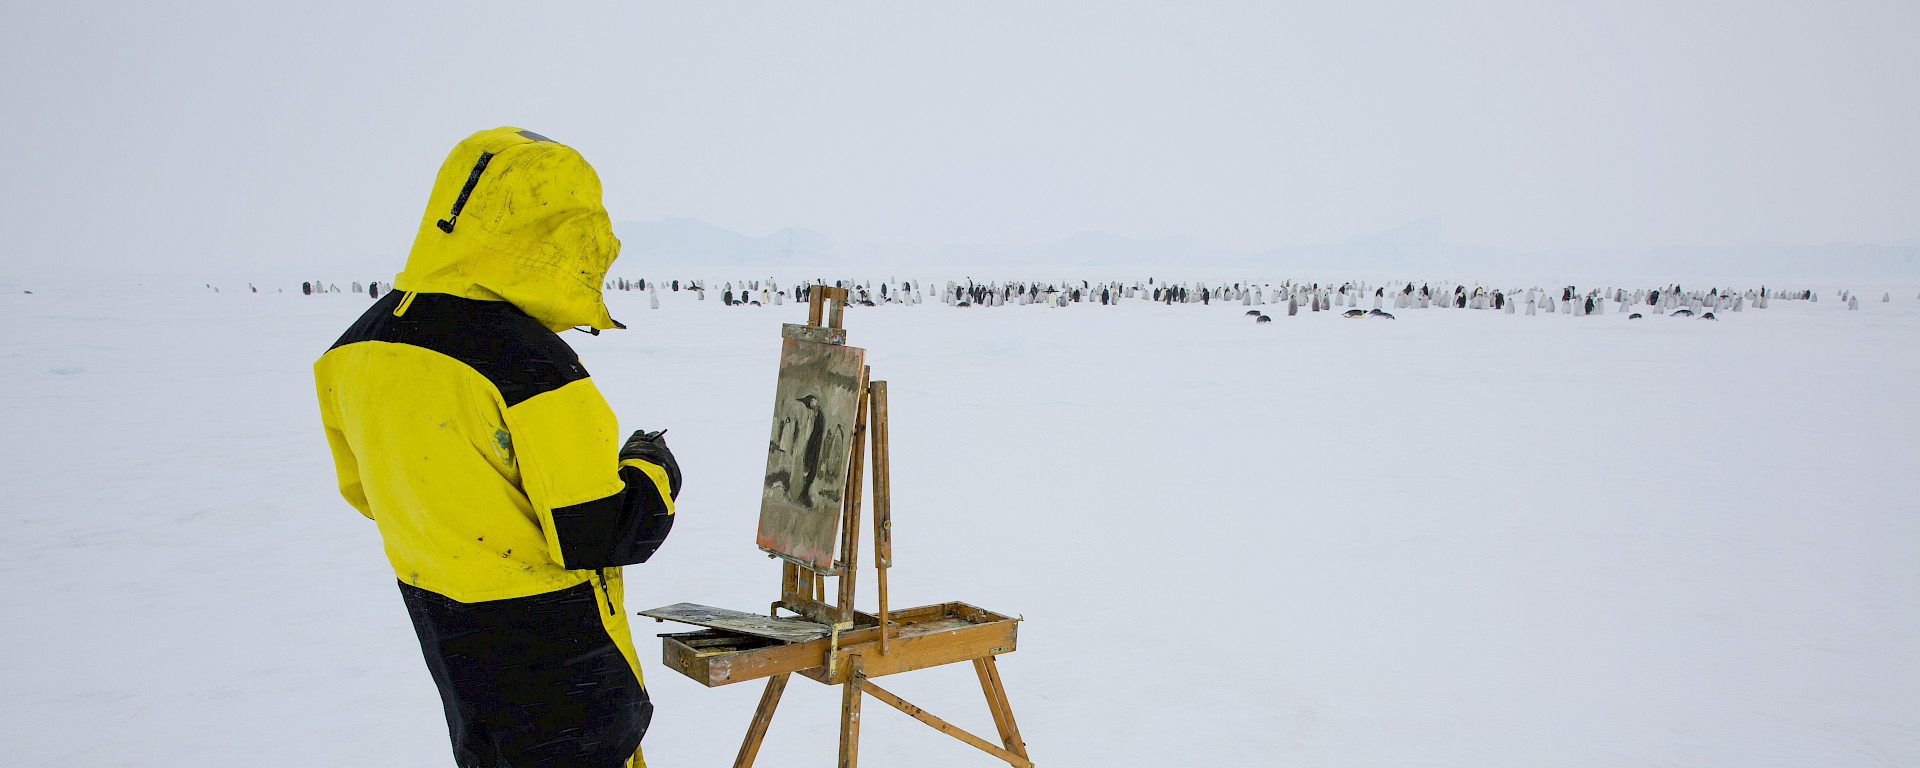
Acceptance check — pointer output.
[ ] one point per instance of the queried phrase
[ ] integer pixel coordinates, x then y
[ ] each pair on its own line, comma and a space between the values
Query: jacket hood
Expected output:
516, 217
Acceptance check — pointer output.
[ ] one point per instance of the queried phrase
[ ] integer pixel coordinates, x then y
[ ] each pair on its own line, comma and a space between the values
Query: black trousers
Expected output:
530, 681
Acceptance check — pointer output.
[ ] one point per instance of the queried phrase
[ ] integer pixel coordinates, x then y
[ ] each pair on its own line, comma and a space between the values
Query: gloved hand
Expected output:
652, 447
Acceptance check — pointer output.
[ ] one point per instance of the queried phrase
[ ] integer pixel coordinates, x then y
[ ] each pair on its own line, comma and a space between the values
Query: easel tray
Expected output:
926, 636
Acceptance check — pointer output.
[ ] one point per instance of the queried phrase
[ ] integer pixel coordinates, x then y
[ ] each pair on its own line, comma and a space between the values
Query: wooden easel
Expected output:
835, 644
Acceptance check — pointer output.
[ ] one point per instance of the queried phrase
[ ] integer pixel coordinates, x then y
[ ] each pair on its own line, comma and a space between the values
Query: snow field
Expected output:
1459, 538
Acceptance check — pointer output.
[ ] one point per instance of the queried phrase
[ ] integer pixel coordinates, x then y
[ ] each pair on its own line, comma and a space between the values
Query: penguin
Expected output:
1253, 313
1708, 316
1354, 313
1380, 314
1262, 320
1634, 316
1681, 313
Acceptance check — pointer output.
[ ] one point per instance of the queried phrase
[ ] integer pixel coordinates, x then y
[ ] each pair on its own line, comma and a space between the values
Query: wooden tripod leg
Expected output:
850, 507
1017, 761
761, 717
850, 714
997, 702
882, 500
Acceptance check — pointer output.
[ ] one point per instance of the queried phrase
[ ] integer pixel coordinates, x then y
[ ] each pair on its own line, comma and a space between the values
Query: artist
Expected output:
469, 433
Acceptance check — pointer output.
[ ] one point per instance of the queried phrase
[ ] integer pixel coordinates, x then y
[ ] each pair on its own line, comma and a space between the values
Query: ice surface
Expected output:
1463, 538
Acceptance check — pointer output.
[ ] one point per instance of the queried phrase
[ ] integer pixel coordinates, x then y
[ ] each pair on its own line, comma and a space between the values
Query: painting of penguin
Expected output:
810, 445
815, 403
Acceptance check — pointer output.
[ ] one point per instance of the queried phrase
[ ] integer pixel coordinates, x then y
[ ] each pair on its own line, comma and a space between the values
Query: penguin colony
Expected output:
1669, 300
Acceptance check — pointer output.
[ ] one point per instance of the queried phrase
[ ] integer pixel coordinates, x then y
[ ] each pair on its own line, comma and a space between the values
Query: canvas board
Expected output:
784, 630
815, 402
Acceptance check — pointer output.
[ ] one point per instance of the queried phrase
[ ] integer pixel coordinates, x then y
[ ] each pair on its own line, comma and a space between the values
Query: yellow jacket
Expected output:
459, 421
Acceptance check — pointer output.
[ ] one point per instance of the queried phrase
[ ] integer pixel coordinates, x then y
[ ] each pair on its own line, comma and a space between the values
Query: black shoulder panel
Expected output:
515, 352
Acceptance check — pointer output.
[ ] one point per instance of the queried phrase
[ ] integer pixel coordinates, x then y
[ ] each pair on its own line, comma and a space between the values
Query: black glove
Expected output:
652, 447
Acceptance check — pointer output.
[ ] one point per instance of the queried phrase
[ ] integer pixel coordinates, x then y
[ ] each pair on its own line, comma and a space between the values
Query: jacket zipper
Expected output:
604, 590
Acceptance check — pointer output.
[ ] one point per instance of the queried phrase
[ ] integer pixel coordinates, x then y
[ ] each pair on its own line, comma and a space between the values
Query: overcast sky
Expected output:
161, 133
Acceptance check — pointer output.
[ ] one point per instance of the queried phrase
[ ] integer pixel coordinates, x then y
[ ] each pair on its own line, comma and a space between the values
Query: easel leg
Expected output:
997, 702
850, 507
850, 714
882, 500
761, 717
1017, 761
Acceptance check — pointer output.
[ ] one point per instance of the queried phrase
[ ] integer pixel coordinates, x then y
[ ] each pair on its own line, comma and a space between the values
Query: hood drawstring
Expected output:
446, 224
405, 301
